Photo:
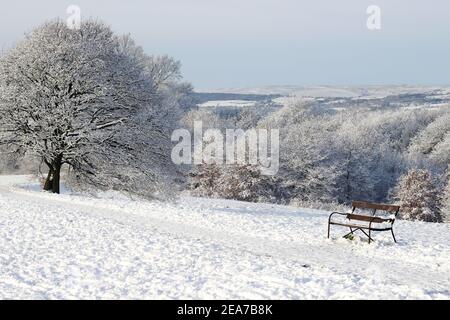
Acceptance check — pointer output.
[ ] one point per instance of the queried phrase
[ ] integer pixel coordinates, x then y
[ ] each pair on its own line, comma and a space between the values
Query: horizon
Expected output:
352, 86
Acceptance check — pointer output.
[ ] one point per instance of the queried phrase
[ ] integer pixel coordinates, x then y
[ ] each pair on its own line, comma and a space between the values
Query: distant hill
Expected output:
202, 97
252, 93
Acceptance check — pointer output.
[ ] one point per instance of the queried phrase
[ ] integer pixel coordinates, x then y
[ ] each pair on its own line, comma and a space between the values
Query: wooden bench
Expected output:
367, 222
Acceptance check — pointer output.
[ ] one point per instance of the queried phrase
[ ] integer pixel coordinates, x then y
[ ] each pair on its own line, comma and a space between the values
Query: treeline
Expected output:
331, 157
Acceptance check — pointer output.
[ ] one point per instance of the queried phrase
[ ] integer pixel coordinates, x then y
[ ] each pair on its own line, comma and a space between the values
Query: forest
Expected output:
330, 157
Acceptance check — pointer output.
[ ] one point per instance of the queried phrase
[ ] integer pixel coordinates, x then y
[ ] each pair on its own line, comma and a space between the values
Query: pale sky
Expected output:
240, 43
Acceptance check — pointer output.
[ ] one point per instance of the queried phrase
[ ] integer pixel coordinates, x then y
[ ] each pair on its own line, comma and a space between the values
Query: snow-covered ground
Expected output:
78, 246
227, 103
366, 92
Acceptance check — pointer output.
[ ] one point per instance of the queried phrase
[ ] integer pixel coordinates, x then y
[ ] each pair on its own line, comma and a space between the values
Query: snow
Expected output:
356, 92
75, 246
227, 103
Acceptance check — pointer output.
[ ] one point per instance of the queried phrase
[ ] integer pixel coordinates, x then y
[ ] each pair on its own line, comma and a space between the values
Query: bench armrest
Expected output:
339, 213
370, 219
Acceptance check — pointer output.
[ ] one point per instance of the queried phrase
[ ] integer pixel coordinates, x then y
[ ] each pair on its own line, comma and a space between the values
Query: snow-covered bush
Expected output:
236, 182
418, 197
246, 183
204, 180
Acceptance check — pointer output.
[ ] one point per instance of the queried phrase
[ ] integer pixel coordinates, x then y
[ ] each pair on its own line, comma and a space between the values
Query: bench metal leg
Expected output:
352, 231
367, 235
393, 236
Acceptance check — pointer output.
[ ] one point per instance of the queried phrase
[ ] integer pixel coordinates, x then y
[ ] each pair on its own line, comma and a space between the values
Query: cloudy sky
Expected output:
236, 43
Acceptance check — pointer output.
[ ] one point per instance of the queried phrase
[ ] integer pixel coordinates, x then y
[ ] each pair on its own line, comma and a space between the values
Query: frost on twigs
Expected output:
238, 182
92, 101
418, 196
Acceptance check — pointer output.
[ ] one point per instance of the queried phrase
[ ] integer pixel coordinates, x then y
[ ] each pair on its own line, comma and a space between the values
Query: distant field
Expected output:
337, 98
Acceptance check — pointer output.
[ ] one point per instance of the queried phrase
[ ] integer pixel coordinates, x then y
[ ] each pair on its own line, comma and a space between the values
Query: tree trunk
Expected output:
52, 183
56, 178
48, 185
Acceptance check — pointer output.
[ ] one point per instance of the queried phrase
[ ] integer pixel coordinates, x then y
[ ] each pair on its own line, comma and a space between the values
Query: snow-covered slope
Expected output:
75, 246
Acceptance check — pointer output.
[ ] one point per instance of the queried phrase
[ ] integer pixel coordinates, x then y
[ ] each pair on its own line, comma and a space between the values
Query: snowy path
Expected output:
82, 247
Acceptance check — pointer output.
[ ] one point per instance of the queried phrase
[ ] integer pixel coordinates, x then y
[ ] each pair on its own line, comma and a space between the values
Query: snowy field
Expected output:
332, 91
227, 103
75, 246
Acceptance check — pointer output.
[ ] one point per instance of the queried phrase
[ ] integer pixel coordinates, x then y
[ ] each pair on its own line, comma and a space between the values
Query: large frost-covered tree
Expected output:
418, 196
88, 99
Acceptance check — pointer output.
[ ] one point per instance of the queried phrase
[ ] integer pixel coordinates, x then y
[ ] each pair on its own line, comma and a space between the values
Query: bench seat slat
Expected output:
352, 216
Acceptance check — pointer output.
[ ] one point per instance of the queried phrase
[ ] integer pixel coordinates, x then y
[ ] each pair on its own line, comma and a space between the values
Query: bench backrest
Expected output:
375, 206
